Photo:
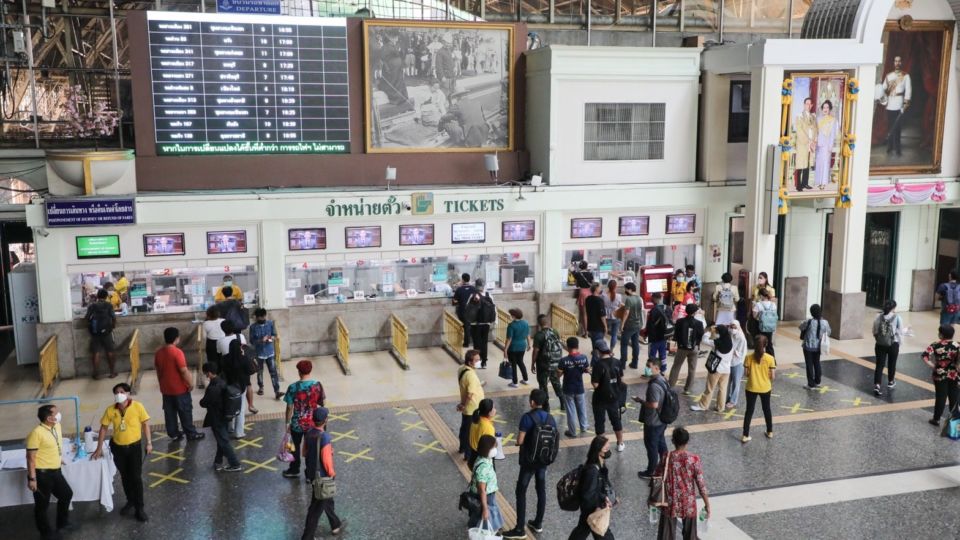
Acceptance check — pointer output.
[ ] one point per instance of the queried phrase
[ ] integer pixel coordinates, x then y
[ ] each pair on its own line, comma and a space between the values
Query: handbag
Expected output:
658, 489
713, 361
324, 488
470, 502
284, 454
825, 345
599, 521
506, 370
482, 532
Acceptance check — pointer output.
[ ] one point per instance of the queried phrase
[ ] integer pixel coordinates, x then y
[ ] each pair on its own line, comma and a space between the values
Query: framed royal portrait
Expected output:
910, 98
815, 126
438, 86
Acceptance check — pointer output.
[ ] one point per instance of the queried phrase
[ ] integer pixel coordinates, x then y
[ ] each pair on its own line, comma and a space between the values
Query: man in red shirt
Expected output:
175, 385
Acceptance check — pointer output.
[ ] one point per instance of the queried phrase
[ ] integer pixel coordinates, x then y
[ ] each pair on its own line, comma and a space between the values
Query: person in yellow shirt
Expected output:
112, 295
44, 477
123, 287
759, 368
679, 288
471, 394
129, 420
236, 293
482, 424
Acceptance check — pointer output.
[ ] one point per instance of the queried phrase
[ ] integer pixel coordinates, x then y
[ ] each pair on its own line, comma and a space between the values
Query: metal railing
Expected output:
500, 330
278, 358
343, 346
49, 366
452, 335
134, 350
563, 321
399, 340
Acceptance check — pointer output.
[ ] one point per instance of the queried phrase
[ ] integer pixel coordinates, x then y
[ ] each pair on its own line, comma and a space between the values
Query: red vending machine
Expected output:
653, 279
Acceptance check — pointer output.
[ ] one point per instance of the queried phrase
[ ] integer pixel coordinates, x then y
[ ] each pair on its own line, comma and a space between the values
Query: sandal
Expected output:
251, 410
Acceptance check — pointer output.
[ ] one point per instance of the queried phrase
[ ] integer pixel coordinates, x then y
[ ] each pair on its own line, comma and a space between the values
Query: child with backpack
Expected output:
888, 333
220, 405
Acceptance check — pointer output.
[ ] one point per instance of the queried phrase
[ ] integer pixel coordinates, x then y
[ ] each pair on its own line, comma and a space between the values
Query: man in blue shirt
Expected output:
262, 334
572, 367
528, 422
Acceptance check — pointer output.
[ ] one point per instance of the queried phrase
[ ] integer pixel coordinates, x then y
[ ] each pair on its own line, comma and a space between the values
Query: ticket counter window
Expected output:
412, 277
168, 290
623, 264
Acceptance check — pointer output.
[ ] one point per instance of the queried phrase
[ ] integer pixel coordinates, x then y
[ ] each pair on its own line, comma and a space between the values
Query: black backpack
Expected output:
232, 401
471, 311
608, 387
541, 445
670, 406
101, 318
488, 310
665, 325
233, 311
568, 490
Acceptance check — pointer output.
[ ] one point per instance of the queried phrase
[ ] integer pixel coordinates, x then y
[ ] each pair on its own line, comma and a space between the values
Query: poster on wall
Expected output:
816, 133
910, 98
438, 86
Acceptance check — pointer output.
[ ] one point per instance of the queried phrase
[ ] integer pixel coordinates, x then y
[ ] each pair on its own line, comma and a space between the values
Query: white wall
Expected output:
804, 249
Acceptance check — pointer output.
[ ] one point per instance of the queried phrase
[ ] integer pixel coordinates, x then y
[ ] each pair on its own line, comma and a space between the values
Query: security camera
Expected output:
43, 232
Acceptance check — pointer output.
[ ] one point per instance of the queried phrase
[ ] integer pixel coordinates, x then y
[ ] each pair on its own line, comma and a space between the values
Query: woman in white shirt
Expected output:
612, 300
213, 332
736, 365
722, 344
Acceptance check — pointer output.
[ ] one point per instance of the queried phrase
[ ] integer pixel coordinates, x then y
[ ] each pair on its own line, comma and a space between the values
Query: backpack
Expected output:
670, 407
101, 318
607, 388
552, 348
768, 320
568, 490
488, 310
232, 401
725, 298
885, 337
664, 324
541, 445
234, 312
685, 334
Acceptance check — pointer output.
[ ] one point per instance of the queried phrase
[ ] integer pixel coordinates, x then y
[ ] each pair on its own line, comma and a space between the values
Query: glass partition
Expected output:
622, 264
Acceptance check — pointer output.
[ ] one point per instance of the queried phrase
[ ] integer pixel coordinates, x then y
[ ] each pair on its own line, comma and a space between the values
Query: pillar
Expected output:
552, 234
272, 270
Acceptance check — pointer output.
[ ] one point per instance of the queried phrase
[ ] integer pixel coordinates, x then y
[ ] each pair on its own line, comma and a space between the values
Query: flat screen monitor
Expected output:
518, 231
226, 242
586, 228
468, 233
416, 235
98, 247
307, 239
159, 245
681, 224
363, 237
635, 226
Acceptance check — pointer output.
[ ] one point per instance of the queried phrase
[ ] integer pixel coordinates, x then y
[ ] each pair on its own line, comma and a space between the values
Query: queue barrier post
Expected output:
134, 350
452, 336
343, 346
201, 353
563, 321
399, 341
500, 330
49, 366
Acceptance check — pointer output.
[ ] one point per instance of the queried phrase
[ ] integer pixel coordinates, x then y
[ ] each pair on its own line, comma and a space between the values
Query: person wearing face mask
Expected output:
130, 423
44, 478
484, 484
595, 489
653, 427
736, 364
471, 394
722, 344
481, 424
235, 292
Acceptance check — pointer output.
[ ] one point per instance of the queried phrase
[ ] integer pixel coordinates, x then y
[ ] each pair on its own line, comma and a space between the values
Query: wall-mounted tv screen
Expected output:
363, 237
681, 224
226, 242
307, 239
586, 228
518, 231
98, 247
634, 226
468, 233
158, 245
416, 235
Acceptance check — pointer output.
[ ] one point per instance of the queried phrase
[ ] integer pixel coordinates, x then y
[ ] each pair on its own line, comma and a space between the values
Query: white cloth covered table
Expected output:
91, 480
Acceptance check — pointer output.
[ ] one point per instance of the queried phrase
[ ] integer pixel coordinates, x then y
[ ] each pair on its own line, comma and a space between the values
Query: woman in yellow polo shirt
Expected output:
482, 425
759, 368
129, 420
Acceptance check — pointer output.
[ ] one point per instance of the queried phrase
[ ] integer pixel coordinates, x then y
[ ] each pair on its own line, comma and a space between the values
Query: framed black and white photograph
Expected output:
438, 86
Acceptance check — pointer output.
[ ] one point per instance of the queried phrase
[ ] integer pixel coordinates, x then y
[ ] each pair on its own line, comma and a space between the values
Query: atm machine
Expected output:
656, 278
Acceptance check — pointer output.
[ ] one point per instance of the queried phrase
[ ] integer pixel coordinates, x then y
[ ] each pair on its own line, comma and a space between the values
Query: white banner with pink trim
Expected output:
898, 194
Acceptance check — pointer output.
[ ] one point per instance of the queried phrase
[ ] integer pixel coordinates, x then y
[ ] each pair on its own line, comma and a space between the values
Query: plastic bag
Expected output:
284, 454
483, 532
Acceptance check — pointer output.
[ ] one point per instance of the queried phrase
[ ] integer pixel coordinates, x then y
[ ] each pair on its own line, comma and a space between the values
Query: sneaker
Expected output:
177, 438
644, 475
876, 390
279, 395
142, 516
338, 530
291, 473
524, 382
933, 422
809, 387
126, 509
196, 436
570, 434
513, 385
515, 533
218, 467
745, 439
621, 447
892, 384
233, 468
731, 406
535, 527
769, 434
260, 392
697, 408
634, 365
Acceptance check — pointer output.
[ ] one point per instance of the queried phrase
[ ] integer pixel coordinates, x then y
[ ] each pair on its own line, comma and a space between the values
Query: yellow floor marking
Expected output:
345, 417
346, 435
432, 446
826, 388
404, 410
856, 401
509, 438
254, 465
359, 455
243, 443
168, 477
795, 408
415, 425
177, 455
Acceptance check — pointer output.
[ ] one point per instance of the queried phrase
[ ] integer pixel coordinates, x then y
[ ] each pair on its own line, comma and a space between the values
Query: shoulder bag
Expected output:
658, 487
713, 361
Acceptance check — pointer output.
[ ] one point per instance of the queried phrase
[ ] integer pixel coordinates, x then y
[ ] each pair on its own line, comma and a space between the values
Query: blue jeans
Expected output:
631, 337
272, 368
181, 407
655, 444
496, 518
576, 411
658, 349
594, 338
613, 328
949, 318
733, 387
523, 481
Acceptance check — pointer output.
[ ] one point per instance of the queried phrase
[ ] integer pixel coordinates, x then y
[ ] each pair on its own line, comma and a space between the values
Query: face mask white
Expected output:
58, 417
492, 453
121, 398
227, 283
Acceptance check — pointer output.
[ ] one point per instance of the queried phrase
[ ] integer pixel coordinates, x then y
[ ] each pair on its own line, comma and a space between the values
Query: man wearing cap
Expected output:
44, 478
446, 70
213, 401
606, 377
302, 398
318, 456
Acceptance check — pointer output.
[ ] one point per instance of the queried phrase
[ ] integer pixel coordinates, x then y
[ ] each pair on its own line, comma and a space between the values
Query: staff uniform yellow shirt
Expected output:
121, 286
237, 294
470, 384
132, 419
48, 442
483, 427
114, 299
759, 381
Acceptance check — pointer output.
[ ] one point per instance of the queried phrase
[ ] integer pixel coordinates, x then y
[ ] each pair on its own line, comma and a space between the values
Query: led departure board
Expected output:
248, 84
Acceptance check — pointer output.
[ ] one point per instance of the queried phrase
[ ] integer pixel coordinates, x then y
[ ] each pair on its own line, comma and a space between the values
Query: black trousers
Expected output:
178, 407
296, 437
601, 410
466, 328
812, 361
751, 404
219, 429
51, 482
947, 390
523, 481
516, 360
316, 508
211, 349
803, 181
582, 531
129, 462
893, 136
481, 337
886, 356
464, 435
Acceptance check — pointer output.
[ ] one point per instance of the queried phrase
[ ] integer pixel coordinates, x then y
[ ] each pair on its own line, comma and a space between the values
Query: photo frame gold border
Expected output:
845, 122
946, 52
511, 128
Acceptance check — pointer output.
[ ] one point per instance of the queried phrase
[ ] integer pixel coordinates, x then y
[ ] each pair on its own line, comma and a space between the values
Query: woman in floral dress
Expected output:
684, 479
942, 356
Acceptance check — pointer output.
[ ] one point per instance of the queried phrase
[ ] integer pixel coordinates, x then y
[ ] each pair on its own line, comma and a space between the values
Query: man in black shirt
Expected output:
606, 378
596, 317
460, 298
688, 331
100, 322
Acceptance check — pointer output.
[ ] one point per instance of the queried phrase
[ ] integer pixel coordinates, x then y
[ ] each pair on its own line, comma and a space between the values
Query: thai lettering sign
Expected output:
91, 212
421, 203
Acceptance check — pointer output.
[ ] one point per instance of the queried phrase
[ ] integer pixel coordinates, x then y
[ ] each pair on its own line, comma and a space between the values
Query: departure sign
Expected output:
248, 84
